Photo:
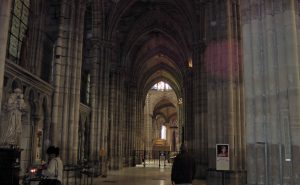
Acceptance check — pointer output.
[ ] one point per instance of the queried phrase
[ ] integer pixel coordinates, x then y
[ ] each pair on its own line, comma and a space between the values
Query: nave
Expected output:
140, 176
113, 82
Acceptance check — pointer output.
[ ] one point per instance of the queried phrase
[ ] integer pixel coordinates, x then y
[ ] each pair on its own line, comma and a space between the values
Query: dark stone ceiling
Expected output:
154, 39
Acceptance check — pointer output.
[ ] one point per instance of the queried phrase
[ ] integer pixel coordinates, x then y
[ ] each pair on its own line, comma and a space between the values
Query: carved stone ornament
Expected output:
12, 119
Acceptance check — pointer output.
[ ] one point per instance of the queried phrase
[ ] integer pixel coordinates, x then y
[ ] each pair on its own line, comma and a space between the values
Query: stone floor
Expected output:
139, 176
152, 174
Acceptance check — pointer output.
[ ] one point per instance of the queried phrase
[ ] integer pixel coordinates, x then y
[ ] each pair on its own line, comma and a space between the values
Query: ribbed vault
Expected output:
154, 41
151, 41
165, 109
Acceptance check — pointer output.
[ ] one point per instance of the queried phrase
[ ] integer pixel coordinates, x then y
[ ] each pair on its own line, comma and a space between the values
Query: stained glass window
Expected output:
19, 21
161, 86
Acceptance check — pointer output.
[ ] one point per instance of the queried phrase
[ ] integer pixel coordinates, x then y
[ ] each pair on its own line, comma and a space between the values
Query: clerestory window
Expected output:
161, 86
19, 25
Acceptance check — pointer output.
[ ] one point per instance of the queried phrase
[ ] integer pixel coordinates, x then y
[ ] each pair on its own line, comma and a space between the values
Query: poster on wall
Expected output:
222, 157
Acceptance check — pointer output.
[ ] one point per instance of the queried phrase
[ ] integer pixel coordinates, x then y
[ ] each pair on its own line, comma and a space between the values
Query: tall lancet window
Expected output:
163, 132
19, 23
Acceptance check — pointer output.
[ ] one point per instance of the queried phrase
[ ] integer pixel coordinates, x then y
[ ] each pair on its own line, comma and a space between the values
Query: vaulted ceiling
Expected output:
166, 111
154, 39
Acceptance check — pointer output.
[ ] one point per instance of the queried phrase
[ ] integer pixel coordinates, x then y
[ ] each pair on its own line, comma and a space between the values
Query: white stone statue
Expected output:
13, 126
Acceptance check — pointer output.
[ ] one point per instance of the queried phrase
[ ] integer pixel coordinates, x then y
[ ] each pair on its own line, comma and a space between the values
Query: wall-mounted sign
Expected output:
222, 157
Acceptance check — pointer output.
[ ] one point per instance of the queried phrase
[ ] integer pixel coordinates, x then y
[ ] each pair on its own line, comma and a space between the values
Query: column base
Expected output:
201, 171
215, 177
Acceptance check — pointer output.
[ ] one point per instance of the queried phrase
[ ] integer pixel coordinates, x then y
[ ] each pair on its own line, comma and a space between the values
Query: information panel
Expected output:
222, 157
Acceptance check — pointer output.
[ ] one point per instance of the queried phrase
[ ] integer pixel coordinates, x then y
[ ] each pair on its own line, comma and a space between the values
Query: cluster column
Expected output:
67, 78
271, 72
222, 69
115, 123
5, 14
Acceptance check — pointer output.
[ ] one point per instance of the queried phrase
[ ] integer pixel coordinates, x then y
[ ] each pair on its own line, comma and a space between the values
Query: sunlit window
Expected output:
163, 132
162, 86
19, 20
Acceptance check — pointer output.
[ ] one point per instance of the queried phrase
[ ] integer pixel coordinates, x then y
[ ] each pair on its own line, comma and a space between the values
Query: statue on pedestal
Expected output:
12, 126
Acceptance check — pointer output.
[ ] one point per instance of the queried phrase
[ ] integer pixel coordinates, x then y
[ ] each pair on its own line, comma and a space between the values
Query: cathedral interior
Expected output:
115, 82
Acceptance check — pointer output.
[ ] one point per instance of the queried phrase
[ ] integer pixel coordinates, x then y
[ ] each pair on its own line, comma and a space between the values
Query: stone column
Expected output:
59, 66
224, 88
188, 110
270, 46
94, 124
127, 128
200, 110
104, 87
134, 118
115, 131
102, 97
148, 125
67, 78
139, 135
121, 125
97, 58
131, 121
5, 9
76, 79
119, 120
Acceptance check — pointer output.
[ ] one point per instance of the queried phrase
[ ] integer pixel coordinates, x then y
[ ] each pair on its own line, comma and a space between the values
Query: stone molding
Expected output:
13, 70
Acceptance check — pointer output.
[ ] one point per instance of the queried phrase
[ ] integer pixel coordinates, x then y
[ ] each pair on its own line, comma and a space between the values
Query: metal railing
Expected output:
73, 175
78, 174
147, 156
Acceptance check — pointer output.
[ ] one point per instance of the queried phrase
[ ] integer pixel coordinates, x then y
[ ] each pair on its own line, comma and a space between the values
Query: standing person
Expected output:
184, 168
54, 170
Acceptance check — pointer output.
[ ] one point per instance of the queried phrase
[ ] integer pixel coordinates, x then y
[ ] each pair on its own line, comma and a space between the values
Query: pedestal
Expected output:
9, 166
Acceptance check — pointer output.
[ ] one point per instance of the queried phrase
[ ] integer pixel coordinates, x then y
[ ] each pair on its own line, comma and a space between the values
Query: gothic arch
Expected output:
183, 9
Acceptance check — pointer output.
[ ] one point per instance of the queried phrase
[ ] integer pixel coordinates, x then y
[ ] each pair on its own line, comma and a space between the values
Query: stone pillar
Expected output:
76, 80
121, 124
5, 9
133, 114
270, 46
97, 58
119, 121
67, 78
95, 124
104, 88
127, 128
222, 66
100, 115
56, 125
148, 125
200, 97
131, 121
200, 110
139, 133
114, 115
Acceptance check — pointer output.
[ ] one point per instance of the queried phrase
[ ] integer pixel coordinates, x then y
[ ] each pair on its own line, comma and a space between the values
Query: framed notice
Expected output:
222, 157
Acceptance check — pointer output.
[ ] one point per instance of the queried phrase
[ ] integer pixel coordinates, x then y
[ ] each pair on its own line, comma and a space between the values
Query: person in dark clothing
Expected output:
184, 168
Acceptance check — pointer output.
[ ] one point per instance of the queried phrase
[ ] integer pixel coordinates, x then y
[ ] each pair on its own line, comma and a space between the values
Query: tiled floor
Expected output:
139, 176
